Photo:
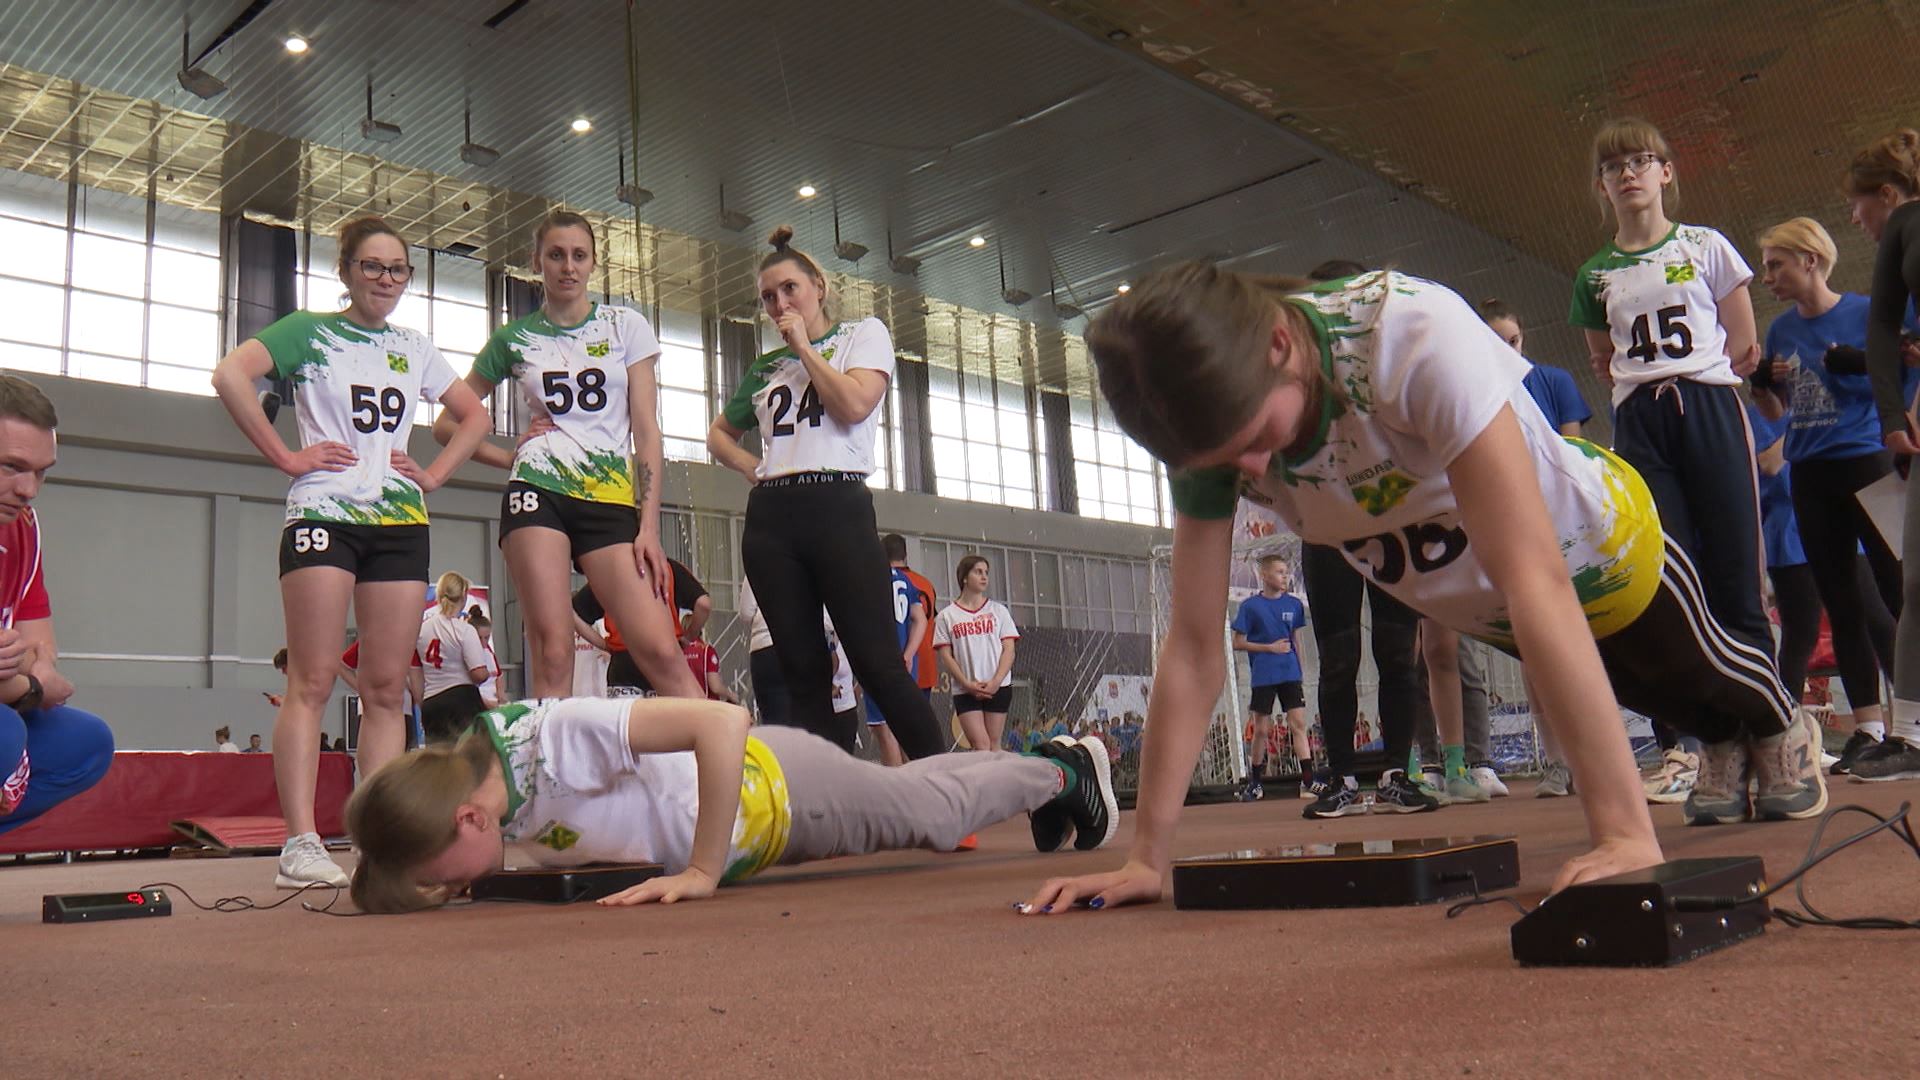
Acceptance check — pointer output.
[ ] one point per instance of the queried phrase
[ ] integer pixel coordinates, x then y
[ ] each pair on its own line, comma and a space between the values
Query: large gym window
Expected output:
1114, 477
129, 293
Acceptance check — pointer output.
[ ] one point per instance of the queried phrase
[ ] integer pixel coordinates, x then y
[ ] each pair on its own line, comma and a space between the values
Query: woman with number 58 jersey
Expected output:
356, 527
810, 540
585, 484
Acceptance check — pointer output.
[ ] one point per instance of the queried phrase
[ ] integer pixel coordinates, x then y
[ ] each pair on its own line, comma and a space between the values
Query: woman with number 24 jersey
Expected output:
585, 483
810, 540
356, 527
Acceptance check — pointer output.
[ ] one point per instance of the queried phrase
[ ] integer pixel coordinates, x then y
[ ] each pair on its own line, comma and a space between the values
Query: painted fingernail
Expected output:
1097, 903
1048, 909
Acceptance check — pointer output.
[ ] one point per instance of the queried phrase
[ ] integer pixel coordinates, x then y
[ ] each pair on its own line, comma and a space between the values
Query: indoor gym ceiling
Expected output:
1085, 140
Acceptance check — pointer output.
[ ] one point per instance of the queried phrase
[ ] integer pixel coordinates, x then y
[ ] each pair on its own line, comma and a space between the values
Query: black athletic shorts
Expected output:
368, 552
1290, 694
1001, 700
448, 714
588, 525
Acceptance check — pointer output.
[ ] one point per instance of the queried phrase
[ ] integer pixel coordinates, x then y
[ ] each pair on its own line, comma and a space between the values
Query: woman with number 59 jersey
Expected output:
356, 513
810, 540
585, 483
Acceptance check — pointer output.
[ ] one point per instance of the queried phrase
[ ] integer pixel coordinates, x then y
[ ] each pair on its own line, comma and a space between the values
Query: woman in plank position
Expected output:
1380, 415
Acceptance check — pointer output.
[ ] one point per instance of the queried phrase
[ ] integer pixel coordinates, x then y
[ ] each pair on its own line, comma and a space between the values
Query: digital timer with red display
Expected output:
102, 907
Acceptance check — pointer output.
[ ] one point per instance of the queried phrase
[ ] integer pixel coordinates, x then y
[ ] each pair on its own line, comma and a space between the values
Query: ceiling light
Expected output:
977, 241
296, 44
377, 130
633, 194
1124, 289
1016, 297
581, 125
850, 251
200, 84
904, 264
808, 191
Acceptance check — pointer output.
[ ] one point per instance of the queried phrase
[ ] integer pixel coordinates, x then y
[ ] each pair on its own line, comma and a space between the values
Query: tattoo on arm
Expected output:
642, 484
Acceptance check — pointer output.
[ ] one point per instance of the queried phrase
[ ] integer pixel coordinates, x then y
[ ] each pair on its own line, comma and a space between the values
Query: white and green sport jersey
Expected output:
356, 386
577, 376
1418, 377
1661, 306
796, 433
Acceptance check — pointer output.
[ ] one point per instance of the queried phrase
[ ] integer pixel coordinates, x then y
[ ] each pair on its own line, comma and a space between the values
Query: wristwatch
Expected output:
32, 698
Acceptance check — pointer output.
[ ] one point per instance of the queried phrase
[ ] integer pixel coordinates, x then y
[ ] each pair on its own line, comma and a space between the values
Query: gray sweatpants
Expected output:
1477, 725
843, 805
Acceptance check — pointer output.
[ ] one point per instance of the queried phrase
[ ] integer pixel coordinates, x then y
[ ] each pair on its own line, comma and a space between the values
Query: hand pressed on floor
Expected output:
1608, 858
688, 884
1134, 883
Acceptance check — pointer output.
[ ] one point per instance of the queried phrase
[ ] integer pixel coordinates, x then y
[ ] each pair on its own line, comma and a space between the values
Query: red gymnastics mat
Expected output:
146, 791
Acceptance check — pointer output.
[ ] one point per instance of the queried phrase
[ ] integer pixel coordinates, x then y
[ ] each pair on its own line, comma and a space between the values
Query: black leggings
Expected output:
1799, 603
1833, 527
1334, 589
770, 687
812, 544
447, 714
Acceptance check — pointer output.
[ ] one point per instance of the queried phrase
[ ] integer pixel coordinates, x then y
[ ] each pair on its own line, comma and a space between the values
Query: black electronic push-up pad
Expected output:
1665, 914
1360, 873
563, 884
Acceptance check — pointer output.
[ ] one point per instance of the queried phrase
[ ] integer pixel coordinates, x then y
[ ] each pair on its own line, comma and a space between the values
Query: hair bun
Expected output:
781, 238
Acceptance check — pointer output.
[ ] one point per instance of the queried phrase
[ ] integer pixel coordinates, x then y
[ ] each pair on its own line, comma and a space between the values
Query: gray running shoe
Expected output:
1892, 758
1789, 783
1719, 795
1556, 782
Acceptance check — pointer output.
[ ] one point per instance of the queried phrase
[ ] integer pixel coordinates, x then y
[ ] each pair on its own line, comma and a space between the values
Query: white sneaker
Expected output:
304, 861
1674, 781
1489, 781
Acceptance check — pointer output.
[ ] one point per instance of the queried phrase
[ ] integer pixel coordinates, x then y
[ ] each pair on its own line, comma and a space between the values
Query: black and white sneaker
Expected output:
1052, 824
1095, 812
1893, 759
1337, 800
1858, 743
1395, 794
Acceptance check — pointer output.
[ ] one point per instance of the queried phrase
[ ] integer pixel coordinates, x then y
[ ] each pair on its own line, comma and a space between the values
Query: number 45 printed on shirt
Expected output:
1674, 338
781, 398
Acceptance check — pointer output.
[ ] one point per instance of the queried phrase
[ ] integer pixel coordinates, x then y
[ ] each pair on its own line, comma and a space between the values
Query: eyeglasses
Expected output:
371, 269
1636, 165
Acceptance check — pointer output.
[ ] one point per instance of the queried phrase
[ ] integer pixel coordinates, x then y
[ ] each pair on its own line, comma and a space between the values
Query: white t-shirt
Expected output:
1423, 377
449, 649
1661, 307
356, 386
796, 433
975, 637
229, 748
577, 377
590, 666
577, 793
758, 636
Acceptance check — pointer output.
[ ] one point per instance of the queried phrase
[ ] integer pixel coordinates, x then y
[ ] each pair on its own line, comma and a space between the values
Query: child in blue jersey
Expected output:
1815, 379
910, 628
1264, 629
1552, 388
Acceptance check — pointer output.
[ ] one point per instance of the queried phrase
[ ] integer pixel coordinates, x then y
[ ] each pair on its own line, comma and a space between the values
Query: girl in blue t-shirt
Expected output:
1815, 378
1264, 629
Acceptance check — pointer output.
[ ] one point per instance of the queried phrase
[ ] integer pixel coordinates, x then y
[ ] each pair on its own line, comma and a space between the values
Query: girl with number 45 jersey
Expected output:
585, 484
1379, 415
356, 511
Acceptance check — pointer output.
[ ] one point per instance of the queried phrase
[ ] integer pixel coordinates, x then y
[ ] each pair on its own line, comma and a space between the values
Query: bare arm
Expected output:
446, 426
592, 636
716, 732
470, 425
849, 396
697, 621
1506, 518
1600, 354
1571, 429
723, 442
350, 677
643, 403
1241, 644
55, 687
916, 633
1773, 458
1190, 671
1005, 665
951, 666
233, 381
1736, 318
417, 683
